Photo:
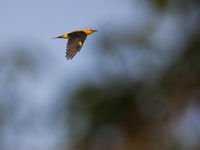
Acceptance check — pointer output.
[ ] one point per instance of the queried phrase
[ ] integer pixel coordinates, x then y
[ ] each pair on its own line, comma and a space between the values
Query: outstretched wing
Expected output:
75, 42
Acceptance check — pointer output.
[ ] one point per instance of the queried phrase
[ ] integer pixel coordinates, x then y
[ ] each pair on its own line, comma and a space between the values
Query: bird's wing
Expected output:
75, 42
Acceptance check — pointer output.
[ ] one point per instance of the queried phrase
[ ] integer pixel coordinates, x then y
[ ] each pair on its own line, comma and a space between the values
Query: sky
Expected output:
40, 21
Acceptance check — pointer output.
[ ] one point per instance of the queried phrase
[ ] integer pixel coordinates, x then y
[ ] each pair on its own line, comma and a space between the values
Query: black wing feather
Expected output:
73, 45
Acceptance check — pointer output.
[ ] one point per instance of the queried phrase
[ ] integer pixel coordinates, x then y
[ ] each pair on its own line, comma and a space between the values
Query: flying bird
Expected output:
75, 41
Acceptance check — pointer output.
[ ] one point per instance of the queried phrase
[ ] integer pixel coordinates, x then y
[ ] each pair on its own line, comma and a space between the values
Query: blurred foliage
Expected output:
16, 62
19, 67
161, 4
178, 5
137, 113
185, 73
134, 113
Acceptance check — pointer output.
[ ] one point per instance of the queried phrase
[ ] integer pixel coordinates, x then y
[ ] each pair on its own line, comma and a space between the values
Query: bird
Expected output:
75, 41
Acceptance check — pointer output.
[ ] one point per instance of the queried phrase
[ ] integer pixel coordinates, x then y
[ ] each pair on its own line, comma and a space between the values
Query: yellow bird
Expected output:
75, 41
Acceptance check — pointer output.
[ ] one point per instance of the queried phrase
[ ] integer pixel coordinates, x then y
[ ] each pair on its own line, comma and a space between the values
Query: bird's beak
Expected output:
94, 30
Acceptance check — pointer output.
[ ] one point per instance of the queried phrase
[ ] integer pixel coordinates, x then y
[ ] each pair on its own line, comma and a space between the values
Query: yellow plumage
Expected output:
87, 31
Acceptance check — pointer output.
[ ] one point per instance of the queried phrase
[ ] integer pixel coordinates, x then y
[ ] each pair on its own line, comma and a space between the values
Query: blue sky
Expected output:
39, 21
43, 19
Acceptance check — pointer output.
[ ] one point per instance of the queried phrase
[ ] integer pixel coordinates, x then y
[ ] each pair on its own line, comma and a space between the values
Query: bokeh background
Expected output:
135, 85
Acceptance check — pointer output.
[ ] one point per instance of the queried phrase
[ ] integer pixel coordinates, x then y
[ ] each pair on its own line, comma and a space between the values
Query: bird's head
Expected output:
89, 31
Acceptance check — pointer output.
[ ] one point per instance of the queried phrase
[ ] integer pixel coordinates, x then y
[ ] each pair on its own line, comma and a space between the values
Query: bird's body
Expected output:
75, 41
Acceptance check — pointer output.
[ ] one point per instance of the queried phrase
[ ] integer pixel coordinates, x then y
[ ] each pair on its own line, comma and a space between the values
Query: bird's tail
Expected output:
65, 36
57, 37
